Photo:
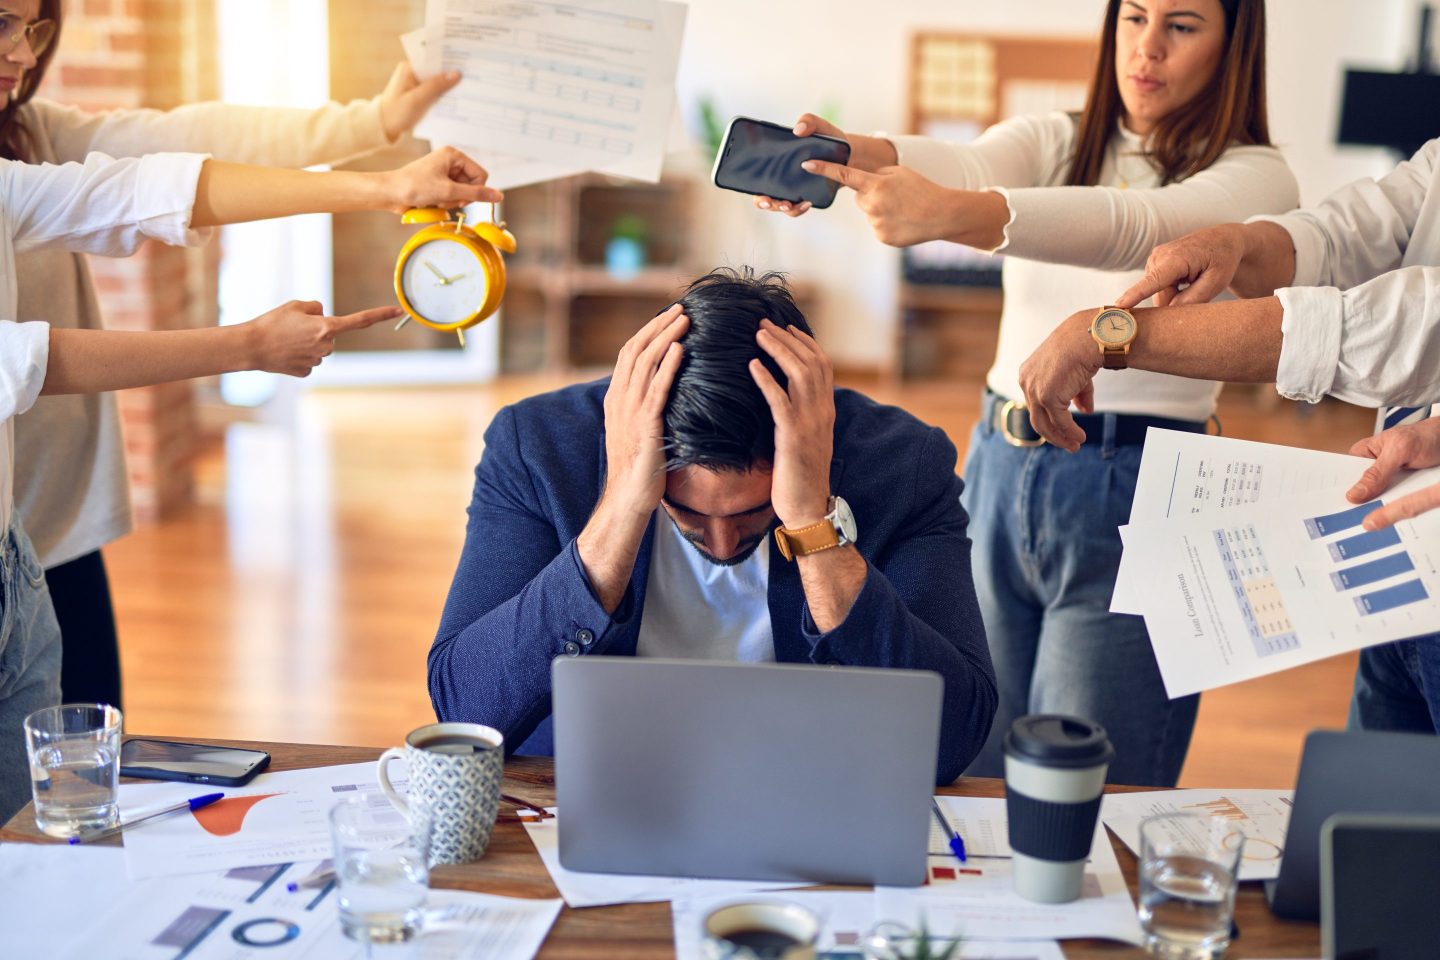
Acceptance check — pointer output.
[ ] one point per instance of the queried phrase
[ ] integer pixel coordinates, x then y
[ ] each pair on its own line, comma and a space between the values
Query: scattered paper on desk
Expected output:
978, 899
845, 918
1262, 815
972, 818
553, 89
1258, 576
275, 818
76, 902
602, 889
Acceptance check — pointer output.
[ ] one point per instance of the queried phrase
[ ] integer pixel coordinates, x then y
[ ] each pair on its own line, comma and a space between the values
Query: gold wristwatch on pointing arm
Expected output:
836, 530
1114, 329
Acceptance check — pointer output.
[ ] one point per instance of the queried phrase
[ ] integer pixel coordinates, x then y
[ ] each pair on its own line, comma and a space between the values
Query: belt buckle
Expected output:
1009, 407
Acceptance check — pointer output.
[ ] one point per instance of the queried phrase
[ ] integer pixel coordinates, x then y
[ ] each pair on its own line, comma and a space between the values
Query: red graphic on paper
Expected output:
224, 818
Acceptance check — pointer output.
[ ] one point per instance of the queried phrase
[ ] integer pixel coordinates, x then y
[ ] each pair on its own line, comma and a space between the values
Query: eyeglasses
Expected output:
13, 30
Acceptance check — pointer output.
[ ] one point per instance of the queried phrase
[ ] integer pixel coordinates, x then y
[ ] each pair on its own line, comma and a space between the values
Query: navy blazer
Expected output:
520, 597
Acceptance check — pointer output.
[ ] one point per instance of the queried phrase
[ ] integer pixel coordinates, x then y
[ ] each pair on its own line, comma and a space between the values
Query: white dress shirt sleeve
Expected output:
1361, 230
24, 356
270, 136
103, 205
1376, 344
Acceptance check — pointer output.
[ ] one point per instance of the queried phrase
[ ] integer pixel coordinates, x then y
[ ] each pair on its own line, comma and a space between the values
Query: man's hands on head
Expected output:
1412, 446
804, 415
1060, 372
634, 454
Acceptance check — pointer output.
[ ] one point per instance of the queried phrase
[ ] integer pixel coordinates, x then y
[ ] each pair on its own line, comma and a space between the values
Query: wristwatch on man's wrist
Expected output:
836, 530
1113, 330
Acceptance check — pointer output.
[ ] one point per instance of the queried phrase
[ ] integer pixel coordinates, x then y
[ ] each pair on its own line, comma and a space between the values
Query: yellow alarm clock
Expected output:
450, 275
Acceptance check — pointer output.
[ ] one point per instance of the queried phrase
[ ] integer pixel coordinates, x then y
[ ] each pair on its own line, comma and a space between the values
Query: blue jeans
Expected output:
1397, 687
29, 661
1046, 552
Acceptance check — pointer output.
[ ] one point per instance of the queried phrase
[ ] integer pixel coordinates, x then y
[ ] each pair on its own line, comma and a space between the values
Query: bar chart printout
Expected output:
1392, 573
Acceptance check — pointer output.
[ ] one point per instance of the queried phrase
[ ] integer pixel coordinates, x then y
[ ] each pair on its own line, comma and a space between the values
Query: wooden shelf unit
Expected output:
563, 309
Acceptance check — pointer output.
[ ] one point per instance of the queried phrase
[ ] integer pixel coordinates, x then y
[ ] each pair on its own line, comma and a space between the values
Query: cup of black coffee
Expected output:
761, 930
1054, 776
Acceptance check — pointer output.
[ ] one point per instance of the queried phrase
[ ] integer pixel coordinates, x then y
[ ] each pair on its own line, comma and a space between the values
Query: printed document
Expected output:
845, 918
1262, 815
577, 85
275, 818
978, 899
77, 903
972, 819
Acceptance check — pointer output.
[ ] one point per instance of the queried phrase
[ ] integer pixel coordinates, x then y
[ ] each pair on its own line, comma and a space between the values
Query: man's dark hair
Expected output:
716, 416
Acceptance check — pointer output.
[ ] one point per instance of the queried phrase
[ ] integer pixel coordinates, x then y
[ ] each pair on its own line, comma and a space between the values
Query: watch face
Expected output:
845, 520
1114, 326
444, 281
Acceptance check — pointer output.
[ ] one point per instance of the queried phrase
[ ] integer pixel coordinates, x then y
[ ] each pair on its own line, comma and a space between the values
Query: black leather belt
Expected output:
1012, 421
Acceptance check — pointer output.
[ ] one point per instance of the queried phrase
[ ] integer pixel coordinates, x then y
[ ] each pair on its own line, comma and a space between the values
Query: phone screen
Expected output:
764, 159
160, 759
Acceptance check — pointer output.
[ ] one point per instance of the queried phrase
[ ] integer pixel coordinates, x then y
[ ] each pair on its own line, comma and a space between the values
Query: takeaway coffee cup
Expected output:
1054, 775
454, 786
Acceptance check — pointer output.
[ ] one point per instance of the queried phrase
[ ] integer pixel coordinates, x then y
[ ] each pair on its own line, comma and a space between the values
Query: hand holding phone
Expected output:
763, 159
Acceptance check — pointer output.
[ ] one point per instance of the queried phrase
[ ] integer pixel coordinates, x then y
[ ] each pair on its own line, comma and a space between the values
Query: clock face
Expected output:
444, 281
1114, 326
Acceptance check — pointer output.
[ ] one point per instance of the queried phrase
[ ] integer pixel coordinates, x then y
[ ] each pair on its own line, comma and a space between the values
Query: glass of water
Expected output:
1189, 870
380, 869
74, 752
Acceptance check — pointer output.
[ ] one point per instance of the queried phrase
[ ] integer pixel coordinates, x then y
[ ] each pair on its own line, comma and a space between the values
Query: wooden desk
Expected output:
642, 931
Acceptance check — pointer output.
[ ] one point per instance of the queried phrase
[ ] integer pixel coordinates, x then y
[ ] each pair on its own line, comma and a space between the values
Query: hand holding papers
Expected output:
553, 89
1246, 559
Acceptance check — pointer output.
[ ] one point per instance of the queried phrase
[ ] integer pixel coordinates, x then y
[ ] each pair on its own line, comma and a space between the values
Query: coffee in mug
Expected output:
761, 930
1054, 777
455, 773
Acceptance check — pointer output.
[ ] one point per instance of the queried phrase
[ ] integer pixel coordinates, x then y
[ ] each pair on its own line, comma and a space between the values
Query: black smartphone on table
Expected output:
191, 762
763, 159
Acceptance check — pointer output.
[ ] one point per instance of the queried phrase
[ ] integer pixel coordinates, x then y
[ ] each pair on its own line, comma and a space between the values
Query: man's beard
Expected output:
747, 547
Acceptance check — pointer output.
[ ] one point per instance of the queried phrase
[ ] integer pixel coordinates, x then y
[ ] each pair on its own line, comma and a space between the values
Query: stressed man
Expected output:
715, 498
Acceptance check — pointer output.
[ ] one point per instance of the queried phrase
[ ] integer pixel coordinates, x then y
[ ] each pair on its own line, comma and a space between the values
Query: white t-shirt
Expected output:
103, 206
71, 486
1070, 248
698, 610
1362, 319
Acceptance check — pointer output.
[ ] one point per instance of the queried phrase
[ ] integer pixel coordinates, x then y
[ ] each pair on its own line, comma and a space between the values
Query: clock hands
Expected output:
431, 267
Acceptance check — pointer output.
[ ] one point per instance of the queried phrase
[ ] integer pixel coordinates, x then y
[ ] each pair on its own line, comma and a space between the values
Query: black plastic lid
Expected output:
1055, 740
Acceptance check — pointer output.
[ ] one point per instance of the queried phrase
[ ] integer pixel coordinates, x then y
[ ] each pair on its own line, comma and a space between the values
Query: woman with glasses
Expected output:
70, 484
1173, 137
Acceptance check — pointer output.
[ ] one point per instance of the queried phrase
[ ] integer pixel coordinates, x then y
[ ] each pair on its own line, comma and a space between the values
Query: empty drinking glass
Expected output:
380, 869
1189, 869
74, 752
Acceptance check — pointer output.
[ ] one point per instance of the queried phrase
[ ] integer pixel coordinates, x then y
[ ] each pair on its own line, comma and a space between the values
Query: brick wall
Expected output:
147, 53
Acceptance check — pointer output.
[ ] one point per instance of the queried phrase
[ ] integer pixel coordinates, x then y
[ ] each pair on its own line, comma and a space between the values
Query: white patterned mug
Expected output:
455, 772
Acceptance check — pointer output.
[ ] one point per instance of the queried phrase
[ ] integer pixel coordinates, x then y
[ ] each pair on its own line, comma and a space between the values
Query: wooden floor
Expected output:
296, 600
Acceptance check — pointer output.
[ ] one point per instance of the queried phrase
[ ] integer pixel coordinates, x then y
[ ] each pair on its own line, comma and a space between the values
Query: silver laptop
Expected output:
745, 771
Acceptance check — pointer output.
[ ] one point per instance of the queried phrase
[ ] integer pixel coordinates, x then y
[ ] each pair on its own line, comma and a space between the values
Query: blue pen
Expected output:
957, 845
194, 803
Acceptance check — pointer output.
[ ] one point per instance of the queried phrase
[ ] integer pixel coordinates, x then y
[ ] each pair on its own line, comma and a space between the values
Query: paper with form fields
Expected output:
568, 86
978, 898
77, 903
845, 918
275, 818
1262, 815
1251, 587
602, 889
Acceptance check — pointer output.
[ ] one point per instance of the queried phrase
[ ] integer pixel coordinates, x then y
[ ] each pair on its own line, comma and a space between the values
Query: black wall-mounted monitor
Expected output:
1396, 110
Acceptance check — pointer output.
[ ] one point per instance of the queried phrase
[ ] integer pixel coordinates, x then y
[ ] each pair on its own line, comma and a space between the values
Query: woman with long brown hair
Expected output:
71, 487
1173, 137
